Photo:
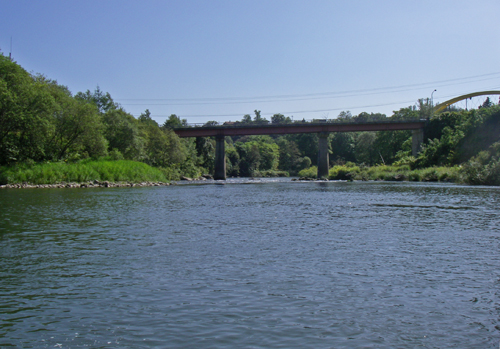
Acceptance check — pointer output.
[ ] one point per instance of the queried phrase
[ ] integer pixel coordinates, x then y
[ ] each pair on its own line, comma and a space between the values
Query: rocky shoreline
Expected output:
99, 184
94, 184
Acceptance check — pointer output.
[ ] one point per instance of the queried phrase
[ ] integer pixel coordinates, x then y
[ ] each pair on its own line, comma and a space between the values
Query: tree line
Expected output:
42, 121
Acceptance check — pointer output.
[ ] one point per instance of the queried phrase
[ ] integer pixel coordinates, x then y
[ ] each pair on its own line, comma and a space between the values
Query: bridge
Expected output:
321, 128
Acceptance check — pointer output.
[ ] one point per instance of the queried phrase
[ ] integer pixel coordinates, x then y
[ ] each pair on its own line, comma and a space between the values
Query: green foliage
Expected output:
343, 147
343, 172
484, 168
40, 122
365, 149
61, 172
258, 153
174, 121
101, 100
311, 172
122, 133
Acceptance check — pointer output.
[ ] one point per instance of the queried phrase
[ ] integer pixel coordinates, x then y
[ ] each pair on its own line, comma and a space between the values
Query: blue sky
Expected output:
218, 60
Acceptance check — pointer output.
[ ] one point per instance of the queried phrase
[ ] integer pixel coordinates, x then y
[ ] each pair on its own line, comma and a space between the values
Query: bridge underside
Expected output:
323, 129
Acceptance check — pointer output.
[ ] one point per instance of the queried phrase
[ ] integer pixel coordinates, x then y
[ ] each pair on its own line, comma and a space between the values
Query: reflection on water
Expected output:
251, 263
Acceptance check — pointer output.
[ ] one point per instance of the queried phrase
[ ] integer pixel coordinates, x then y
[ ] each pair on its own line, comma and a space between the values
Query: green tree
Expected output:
25, 109
174, 121
122, 133
343, 147
247, 119
365, 150
145, 118
258, 119
280, 119
102, 101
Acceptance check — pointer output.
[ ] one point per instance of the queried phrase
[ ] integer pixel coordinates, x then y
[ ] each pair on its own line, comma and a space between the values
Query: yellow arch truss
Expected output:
442, 106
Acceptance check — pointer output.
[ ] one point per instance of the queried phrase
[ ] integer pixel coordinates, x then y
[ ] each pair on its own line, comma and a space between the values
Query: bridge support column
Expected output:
323, 156
220, 158
417, 138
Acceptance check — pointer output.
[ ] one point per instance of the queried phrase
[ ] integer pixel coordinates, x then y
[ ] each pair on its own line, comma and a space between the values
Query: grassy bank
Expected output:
388, 173
84, 171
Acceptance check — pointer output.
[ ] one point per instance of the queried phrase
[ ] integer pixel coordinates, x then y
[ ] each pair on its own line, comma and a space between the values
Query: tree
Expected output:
424, 107
78, 128
102, 100
487, 103
26, 105
247, 119
258, 119
344, 116
388, 143
289, 156
145, 118
343, 147
280, 119
205, 146
163, 148
365, 150
174, 121
122, 133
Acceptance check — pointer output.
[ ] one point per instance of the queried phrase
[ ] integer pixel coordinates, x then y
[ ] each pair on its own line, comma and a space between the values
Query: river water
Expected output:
251, 264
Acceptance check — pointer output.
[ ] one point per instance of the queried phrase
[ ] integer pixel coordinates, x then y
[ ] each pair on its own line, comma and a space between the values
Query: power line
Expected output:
310, 96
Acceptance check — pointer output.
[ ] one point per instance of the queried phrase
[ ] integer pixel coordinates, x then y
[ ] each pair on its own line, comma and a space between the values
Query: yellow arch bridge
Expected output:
442, 106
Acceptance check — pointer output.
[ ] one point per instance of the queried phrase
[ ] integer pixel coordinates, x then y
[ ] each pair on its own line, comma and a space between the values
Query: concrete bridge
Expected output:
321, 128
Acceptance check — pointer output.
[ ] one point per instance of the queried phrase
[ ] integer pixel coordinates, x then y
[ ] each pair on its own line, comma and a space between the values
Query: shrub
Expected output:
311, 172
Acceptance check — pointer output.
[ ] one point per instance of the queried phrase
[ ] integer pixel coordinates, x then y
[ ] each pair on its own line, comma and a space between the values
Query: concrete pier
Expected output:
417, 138
323, 155
220, 158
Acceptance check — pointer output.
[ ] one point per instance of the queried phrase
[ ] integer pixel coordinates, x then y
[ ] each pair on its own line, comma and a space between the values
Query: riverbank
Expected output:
123, 173
88, 172
95, 184
353, 172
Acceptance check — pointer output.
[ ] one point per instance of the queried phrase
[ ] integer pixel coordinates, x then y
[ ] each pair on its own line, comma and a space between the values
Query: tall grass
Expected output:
388, 173
85, 171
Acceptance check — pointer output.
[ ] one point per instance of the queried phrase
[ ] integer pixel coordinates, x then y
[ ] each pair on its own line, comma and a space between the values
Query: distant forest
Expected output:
42, 121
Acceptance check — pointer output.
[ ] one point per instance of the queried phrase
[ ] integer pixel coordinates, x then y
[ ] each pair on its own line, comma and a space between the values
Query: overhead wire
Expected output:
309, 96
312, 96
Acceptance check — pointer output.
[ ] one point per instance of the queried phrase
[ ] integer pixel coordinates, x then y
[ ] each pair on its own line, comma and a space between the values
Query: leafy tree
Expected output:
145, 118
205, 147
365, 150
232, 159
174, 121
25, 108
487, 103
249, 158
344, 116
290, 159
343, 147
102, 100
122, 133
247, 119
365, 117
425, 108
307, 144
258, 119
78, 128
280, 119
388, 143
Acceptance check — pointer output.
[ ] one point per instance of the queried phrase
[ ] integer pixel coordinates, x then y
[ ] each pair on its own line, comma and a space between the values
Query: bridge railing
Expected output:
229, 124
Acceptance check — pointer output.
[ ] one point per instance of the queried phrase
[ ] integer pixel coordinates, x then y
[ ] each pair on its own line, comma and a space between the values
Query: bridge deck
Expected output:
241, 130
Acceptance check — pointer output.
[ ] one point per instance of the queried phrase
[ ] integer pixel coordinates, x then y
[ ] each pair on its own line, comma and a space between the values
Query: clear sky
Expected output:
221, 59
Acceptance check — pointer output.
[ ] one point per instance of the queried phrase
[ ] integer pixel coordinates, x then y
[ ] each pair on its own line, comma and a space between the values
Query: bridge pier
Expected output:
417, 138
323, 155
220, 158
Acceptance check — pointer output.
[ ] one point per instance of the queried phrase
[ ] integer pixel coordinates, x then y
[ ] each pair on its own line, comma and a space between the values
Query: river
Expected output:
251, 264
